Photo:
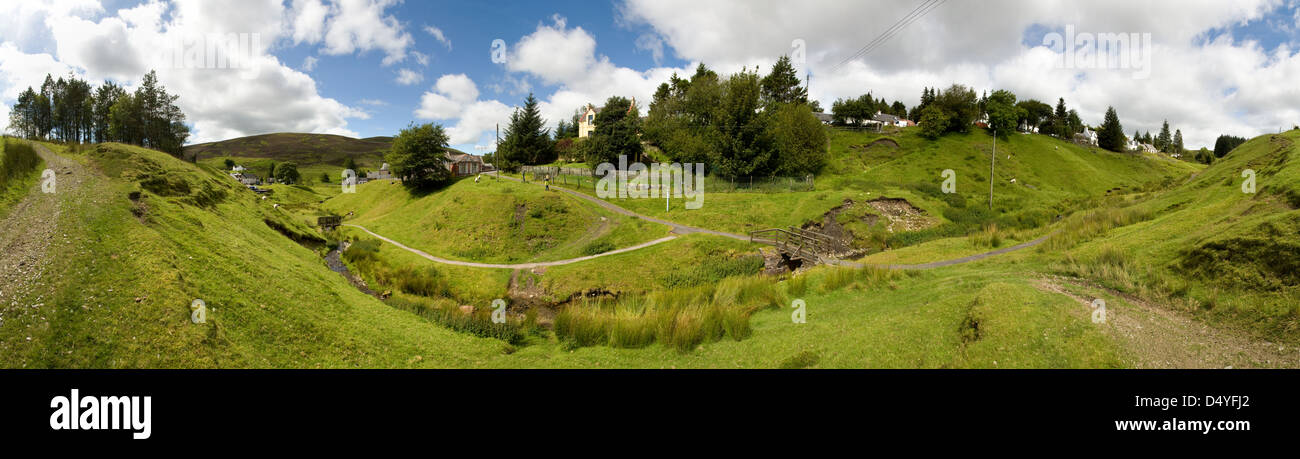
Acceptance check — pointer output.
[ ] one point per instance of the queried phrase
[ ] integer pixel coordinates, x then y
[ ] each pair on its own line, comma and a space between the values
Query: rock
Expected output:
466, 309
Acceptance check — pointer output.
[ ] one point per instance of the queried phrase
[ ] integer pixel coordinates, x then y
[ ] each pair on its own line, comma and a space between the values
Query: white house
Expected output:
1087, 137
889, 120
382, 174
238, 168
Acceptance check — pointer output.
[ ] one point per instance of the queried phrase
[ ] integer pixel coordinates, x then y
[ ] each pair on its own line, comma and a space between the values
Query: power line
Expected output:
917, 13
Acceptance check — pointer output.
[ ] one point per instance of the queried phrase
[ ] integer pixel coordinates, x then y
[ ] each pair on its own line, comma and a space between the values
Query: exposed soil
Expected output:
1158, 337
902, 215
842, 239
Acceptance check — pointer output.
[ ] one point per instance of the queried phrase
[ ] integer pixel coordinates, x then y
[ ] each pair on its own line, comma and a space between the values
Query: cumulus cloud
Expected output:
554, 53
361, 25
455, 97
1206, 87
407, 77
262, 95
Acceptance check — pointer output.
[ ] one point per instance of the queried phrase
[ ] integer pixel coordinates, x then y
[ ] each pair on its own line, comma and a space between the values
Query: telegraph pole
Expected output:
992, 162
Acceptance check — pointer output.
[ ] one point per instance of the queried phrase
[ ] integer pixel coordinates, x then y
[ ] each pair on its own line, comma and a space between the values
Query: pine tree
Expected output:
782, 85
527, 140
1111, 134
1164, 141
1178, 142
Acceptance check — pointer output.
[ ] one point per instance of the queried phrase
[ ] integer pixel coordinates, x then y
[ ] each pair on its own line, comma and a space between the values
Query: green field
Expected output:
1195, 272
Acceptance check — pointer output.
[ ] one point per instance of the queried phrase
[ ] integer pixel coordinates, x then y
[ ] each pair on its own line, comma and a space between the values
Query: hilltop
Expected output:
304, 149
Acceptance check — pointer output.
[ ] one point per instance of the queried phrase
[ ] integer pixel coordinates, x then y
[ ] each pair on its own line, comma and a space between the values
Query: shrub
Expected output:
597, 248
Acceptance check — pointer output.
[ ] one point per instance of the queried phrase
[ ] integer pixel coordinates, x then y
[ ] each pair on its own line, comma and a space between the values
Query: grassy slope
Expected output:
1236, 252
478, 221
122, 295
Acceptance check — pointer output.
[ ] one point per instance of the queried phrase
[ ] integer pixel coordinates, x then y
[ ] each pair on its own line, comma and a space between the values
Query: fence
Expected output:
581, 177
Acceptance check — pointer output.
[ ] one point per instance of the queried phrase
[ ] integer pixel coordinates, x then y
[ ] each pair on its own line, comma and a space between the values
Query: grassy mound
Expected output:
495, 221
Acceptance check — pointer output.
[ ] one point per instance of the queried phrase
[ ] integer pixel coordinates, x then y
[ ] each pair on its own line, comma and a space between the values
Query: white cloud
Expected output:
407, 77
308, 19
361, 25
553, 53
309, 63
1206, 89
264, 96
420, 58
438, 35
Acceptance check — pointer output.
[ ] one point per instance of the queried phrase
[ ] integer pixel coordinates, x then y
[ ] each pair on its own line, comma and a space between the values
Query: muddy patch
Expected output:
335, 263
842, 239
902, 215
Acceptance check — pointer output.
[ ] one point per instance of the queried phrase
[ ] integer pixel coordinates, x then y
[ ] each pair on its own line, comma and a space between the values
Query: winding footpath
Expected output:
677, 229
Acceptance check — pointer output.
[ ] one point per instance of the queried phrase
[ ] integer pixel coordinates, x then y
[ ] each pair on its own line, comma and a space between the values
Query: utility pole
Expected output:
992, 162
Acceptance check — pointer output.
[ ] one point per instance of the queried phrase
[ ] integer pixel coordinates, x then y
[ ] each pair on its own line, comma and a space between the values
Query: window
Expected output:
591, 118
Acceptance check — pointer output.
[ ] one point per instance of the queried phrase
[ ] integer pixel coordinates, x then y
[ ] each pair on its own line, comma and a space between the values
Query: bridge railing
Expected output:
793, 241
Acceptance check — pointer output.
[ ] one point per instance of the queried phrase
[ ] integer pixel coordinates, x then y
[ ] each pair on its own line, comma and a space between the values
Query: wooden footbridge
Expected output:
796, 244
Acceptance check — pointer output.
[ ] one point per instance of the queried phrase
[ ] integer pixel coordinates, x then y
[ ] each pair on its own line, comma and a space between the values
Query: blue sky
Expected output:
1218, 67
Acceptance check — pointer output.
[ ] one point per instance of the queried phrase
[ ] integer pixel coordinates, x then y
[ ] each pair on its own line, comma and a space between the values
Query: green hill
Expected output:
1227, 253
148, 234
492, 221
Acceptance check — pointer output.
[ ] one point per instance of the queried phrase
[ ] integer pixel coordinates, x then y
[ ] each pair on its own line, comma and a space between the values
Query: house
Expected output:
249, 179
587, 121
382, 174
889, 120
464, 164
1027, 128
1087, 137
238, 168
825, 118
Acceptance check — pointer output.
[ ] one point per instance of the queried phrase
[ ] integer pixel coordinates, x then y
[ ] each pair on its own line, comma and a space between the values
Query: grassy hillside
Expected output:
131, 264
1211, 249
1052, 178
492, 221
304, 149
149, 234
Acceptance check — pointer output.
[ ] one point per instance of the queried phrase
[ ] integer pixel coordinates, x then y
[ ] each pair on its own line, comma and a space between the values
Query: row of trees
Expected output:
739, 125
70, 110
863, 108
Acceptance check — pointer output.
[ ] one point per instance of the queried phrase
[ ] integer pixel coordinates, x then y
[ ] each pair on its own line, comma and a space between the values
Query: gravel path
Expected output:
510, 266
31, 228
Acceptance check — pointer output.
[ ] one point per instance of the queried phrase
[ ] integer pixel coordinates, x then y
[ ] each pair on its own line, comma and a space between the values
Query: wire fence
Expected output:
581, 177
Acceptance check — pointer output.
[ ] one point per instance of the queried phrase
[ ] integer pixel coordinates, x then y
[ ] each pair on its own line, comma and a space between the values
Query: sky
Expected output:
366, 68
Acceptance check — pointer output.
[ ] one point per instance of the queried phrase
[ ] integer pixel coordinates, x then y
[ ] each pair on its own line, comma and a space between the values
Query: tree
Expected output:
1164, 140
1003, 112
934, 122
1177, 146
419, 156
1111, 134
961, 106
230, 163
615, 133
527, 140
270, 172
1036, 114
1225, 144
350, 164
799, 141
782, 85
287, 173
324, 177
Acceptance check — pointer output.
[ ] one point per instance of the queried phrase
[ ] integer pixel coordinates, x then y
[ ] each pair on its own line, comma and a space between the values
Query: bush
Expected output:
597, 248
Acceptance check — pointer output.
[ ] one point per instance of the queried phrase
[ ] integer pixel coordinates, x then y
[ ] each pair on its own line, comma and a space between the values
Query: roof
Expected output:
824, 116
463, 157
887, 118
